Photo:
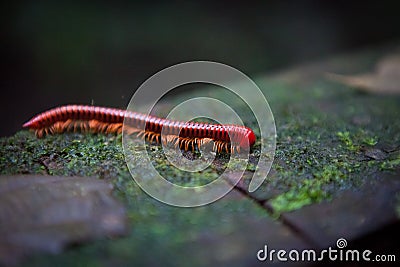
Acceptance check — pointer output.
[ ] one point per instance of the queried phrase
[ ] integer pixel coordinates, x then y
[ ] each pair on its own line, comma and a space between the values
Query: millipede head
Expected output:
248, 140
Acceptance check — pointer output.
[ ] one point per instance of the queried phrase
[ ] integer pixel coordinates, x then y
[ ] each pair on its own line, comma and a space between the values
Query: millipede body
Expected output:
186, 135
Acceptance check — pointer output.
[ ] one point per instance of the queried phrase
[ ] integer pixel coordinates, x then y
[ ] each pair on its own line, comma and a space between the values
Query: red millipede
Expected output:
110, 120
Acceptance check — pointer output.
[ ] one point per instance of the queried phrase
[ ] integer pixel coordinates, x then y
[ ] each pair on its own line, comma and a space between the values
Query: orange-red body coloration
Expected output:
110, 120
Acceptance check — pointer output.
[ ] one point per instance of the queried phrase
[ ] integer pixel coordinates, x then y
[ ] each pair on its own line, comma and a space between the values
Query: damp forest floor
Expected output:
335, 175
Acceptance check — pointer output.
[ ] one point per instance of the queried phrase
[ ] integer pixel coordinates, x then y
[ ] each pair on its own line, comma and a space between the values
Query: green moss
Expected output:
67, 154
390, 165
308, 191
295, 199
358, 138
346, 139
371, 141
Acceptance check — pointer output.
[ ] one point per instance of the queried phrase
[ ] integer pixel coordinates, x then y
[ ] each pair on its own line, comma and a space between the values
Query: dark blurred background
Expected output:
61, 52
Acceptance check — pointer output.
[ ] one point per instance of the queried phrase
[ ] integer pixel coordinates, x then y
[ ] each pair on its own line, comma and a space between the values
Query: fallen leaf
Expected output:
47, 213
385, 79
